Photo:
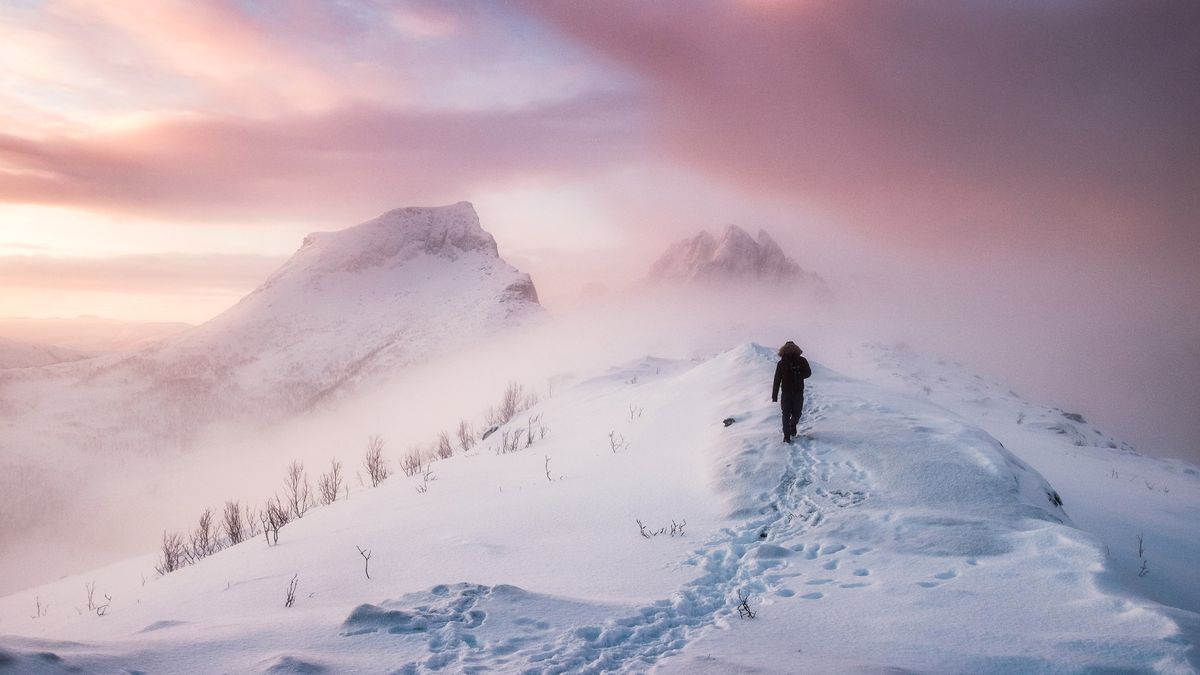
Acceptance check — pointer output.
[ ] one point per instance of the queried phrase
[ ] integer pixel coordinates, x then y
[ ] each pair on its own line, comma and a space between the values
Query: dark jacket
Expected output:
790, 372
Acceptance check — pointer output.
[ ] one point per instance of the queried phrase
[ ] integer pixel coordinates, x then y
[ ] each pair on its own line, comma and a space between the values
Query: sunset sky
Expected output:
1020, 169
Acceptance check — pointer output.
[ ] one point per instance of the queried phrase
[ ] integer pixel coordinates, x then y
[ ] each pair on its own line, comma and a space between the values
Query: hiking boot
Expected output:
787, 439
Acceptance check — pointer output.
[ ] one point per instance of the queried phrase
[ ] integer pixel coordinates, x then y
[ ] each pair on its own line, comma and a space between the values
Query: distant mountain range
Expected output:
83, 336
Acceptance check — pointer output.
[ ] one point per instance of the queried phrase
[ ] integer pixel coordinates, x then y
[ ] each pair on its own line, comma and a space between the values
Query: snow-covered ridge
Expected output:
895, 535
734, 256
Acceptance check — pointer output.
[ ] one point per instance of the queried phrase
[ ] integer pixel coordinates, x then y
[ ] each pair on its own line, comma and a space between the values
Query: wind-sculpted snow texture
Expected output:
1114, 493
895, 535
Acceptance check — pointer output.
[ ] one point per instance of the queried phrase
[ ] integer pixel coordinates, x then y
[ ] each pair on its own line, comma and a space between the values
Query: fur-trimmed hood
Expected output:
790, 350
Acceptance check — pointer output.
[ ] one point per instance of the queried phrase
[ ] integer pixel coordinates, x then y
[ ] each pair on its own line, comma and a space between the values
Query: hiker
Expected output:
790, 373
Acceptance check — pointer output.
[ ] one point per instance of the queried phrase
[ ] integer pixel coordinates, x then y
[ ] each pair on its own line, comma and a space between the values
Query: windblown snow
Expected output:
642, 517
624, 530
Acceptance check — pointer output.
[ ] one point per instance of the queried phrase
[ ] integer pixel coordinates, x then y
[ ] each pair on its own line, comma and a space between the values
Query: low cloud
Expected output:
934, 125
164, 273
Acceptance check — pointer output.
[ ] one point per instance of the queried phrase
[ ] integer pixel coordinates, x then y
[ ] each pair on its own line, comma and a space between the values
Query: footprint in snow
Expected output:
813, 596
940, 576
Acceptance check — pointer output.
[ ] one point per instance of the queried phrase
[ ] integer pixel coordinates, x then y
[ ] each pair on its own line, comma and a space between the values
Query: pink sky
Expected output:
993, 164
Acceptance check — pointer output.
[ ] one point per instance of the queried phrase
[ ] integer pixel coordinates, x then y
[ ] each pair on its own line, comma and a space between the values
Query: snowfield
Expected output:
907, 530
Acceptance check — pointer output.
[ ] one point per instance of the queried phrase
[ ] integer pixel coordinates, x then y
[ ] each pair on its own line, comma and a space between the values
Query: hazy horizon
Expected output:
1013, 185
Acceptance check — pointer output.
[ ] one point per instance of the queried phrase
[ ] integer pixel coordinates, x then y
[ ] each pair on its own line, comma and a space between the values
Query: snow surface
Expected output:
896, 535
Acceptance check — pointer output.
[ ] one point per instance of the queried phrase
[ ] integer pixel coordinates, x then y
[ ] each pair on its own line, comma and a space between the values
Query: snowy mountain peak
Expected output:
396, 236
736, 255
359, 304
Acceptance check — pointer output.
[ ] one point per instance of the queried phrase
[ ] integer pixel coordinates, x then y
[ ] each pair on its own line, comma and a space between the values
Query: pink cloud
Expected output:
349, 161
929, 123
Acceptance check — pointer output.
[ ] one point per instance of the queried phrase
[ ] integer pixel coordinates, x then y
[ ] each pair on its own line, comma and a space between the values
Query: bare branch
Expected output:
231, 518
744, 610
173, 554
297, 490
330, 483
411, 463
291, 591
366, 560
377, 469
466, 436
443, 449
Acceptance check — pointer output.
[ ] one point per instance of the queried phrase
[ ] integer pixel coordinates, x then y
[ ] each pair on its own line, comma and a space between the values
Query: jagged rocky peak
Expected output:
734, 256
401, 234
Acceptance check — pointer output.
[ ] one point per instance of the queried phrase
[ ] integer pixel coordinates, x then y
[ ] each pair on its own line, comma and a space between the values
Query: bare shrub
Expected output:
675, 530
514, 400
534, 430
366, 560
235, 526
173, 555
101, 610
330, 483
90, 587
510, 402
617, 442
743, 607
274, 516
297, 490
426, 478
376, 466
466, 435
291, 591
251, 521
205, 538
510, 441
411, 463
443, 449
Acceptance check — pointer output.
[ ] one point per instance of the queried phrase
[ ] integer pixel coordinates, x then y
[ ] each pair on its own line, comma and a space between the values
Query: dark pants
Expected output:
793, 407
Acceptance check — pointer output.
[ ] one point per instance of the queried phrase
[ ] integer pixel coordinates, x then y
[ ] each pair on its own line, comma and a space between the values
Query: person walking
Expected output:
790, 373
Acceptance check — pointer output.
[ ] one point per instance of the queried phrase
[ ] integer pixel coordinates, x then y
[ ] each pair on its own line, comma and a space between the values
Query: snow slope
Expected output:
896, 535
15, 354
1111, 490
350, 311
359, 304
